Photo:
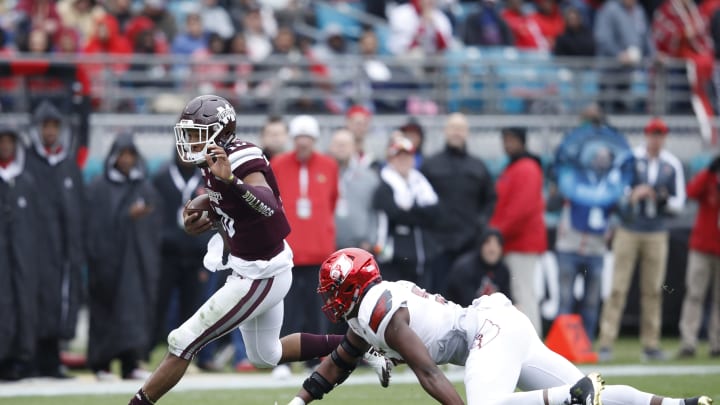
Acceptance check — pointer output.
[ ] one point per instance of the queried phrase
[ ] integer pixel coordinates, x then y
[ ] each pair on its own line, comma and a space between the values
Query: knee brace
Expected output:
317, 386
347, 368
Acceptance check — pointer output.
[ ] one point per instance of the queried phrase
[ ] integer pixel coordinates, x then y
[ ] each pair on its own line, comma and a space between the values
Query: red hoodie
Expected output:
705, 188
115, 43
312, 239
551, 25
520, 207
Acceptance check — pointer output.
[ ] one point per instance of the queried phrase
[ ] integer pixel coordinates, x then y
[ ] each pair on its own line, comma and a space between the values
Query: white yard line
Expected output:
87, 385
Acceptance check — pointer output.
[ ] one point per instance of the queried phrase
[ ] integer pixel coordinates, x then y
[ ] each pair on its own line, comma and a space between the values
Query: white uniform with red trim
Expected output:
439, 324
495, 342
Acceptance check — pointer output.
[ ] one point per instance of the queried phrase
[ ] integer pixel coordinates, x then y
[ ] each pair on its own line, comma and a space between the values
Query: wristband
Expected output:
231, 179
296, 401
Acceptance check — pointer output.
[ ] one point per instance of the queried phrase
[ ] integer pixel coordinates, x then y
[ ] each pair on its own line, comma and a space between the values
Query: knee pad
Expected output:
178, 341
265, 357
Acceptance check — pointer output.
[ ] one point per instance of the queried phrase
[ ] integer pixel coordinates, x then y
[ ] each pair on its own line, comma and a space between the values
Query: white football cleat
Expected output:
381, 364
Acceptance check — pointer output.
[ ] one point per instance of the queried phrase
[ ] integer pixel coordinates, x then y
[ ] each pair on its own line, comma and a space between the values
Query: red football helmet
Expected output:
344, 276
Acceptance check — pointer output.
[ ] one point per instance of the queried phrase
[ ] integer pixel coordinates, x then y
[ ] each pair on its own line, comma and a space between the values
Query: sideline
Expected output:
87, 385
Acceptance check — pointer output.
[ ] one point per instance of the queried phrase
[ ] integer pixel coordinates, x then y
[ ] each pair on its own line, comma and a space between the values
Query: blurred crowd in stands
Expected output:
440, 218
630, 33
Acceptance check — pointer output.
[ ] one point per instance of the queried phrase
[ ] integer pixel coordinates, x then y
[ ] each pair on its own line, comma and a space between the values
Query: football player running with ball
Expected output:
495, 342
244, 195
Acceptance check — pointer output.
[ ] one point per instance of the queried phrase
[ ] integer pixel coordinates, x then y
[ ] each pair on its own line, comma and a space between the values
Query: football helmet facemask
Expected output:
344, 276
204, 120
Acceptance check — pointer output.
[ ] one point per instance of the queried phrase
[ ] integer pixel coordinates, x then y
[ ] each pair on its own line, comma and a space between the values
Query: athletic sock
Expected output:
141, 398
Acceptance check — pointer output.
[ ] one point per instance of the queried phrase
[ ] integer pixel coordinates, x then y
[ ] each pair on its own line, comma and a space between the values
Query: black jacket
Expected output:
474, 31
177, 245
406, 231
575, 43
467, 196
471, 276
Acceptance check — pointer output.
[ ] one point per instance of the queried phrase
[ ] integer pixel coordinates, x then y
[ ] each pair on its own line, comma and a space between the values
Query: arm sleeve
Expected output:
696, 188
511, 218
488, 198
259, 198
383, 201
603, 33
243, 162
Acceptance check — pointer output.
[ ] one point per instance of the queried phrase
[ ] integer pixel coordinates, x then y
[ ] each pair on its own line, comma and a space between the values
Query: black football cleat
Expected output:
702, 400
587, 390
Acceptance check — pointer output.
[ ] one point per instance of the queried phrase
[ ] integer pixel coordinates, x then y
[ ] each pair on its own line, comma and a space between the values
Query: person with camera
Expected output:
703, 268
657, 191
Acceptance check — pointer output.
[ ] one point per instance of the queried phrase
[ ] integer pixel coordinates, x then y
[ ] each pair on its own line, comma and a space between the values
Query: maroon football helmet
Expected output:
344, 276
204, 120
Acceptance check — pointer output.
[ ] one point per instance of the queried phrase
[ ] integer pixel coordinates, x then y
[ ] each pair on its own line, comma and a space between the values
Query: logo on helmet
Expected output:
340, 269
225, 113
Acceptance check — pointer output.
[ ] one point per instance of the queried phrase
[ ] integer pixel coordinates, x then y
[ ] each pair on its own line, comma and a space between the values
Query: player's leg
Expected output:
261, 333
627, 395
546, 376
232, 304
545, 369
494, 362
497, 362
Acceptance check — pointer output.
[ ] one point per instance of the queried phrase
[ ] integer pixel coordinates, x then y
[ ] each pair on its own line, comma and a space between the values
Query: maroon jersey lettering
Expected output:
254, 232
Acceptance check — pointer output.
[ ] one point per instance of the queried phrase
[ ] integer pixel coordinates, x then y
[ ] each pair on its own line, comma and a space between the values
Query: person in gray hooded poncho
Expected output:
123, 242
51, 161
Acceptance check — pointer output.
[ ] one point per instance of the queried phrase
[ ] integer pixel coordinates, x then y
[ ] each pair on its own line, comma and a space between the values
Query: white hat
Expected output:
304, 125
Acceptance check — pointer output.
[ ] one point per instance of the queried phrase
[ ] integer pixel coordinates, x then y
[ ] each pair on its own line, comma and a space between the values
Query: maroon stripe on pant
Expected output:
231, 319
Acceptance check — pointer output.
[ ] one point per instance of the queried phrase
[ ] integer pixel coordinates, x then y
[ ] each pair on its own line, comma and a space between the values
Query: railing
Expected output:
486, 81
155, 137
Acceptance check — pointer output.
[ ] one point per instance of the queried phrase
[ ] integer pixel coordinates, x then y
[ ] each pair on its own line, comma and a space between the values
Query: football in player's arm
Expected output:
243, 193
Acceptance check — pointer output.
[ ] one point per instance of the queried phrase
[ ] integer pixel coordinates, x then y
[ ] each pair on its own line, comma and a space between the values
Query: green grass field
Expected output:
626, 352
406, 394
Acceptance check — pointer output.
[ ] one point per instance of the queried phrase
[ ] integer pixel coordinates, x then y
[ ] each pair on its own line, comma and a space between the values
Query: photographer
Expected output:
657, 191
703, 268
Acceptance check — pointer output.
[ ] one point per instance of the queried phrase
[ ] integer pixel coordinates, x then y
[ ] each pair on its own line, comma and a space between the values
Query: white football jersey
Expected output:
440, 324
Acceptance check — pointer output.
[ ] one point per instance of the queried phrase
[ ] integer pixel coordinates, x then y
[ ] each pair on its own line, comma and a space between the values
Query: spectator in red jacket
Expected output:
680, 32
108, 39
519, 217
703, 268
308, 182
525, 30
549, 19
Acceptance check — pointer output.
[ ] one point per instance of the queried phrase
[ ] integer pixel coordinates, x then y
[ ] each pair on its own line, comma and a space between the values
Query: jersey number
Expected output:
422, 293
227, 222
